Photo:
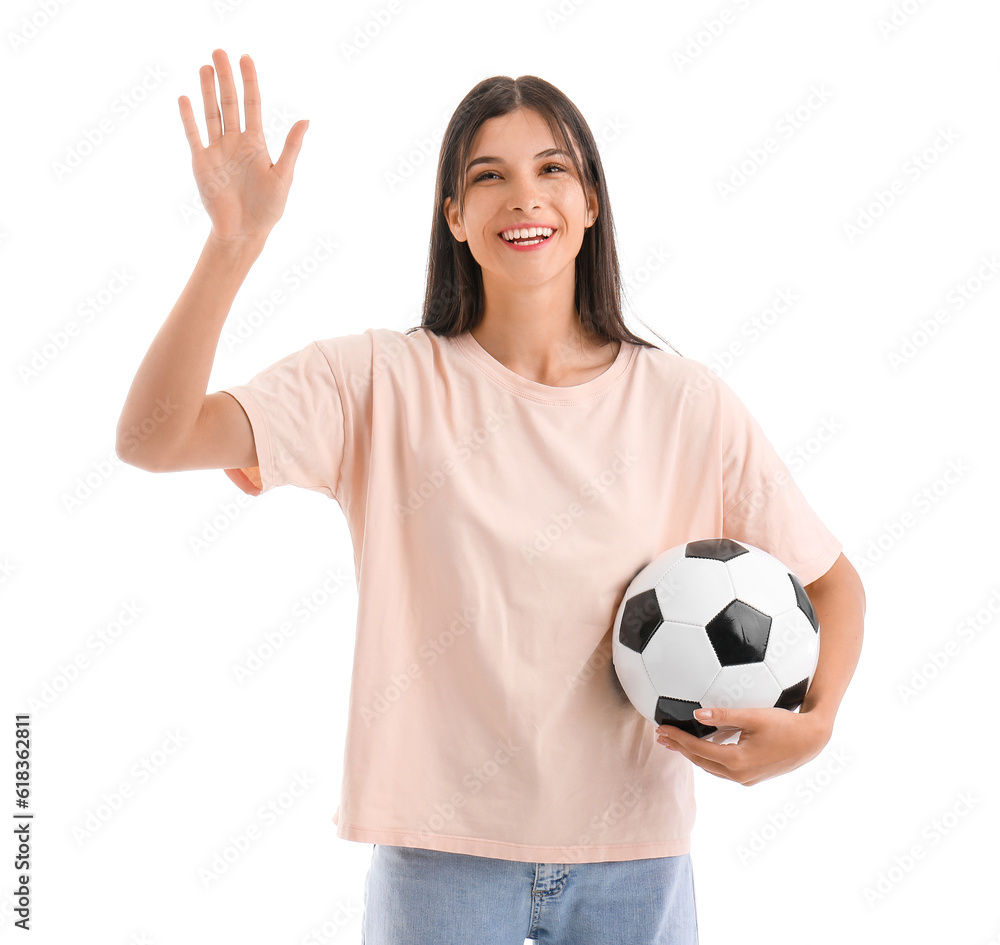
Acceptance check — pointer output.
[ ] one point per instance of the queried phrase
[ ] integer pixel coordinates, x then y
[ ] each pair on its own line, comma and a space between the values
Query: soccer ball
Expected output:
715, 623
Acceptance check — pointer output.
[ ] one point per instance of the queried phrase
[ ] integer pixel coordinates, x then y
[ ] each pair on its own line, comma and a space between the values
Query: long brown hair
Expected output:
454, 300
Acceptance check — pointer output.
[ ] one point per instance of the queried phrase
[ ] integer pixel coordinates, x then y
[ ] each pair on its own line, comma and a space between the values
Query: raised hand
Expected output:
242, 191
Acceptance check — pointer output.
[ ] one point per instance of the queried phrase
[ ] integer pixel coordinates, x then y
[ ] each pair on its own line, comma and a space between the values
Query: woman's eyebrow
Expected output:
495, 160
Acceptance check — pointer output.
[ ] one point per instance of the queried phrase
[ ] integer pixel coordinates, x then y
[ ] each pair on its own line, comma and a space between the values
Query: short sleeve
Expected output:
297, 415
762, 504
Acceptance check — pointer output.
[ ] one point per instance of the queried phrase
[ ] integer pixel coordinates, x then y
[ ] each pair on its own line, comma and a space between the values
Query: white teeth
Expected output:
523, 233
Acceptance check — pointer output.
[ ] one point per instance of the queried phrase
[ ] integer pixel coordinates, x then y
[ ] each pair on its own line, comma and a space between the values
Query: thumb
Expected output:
285, 164
737, 718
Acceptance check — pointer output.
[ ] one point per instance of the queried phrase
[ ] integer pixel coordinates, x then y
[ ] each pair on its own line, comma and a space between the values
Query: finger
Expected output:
695, 747
720, 771
227, 93
190, 125
251, 94
290, 152
746, 719
212, 120
717, 768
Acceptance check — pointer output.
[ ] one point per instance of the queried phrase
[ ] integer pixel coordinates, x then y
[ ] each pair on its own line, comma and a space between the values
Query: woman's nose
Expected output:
523, 195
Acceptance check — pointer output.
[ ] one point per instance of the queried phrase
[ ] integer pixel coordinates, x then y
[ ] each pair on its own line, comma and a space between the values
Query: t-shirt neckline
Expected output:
533, 390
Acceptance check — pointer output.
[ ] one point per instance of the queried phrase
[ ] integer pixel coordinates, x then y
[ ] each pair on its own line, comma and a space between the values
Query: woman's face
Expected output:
525, 180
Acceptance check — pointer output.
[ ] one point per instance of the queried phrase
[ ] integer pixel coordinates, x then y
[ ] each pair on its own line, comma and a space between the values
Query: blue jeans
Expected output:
425, 897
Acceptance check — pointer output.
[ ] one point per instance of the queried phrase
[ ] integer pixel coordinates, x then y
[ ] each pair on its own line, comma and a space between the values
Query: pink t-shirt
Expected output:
497, 523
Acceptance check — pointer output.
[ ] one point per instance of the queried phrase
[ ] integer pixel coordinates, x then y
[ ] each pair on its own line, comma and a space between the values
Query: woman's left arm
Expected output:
774, 741
838, 598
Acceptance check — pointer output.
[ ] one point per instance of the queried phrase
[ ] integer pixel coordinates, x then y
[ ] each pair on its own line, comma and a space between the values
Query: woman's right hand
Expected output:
242, 191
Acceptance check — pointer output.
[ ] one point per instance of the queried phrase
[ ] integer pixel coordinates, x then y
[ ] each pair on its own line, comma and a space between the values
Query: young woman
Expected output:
505, 469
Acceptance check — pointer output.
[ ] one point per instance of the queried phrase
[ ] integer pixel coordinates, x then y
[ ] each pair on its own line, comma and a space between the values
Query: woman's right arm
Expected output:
168, 422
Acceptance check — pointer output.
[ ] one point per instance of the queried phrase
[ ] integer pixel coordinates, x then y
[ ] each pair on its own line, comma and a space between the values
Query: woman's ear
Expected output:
454, 220
592, 207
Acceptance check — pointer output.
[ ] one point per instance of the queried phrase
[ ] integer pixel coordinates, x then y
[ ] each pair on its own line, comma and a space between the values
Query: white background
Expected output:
676, 107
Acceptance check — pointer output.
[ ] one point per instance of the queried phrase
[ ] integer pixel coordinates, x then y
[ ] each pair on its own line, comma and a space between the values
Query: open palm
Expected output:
243, 193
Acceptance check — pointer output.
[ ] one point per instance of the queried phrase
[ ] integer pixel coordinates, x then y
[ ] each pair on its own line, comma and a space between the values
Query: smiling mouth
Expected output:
529, 240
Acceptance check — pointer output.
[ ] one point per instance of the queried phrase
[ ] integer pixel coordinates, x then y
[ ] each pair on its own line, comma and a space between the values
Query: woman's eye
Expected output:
558, 167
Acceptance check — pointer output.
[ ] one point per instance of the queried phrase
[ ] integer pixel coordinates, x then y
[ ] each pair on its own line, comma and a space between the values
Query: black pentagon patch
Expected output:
791, 698
719, 549
680, 714
640, 619
805, 605
739, 634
